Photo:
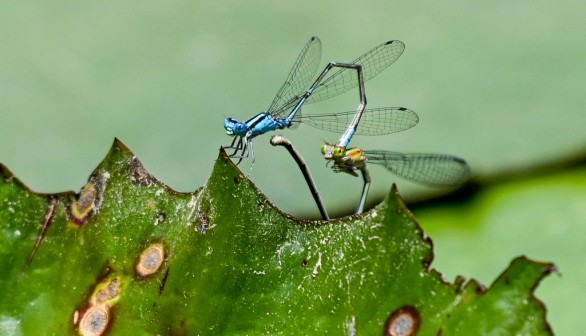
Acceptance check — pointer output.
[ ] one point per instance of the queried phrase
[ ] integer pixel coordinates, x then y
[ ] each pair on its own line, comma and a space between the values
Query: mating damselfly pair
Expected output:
301, 88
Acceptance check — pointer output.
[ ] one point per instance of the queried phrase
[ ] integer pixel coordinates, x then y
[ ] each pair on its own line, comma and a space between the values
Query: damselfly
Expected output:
296, 91
437, 170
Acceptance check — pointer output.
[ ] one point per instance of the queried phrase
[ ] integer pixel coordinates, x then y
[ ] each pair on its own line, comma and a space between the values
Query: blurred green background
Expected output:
500, 84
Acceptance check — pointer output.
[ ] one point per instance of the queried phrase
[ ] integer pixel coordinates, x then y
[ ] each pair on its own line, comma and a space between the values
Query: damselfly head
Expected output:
339, 152
234, 127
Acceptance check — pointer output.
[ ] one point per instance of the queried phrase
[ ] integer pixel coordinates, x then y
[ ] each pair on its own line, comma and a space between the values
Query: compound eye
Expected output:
239, 127
323, 149
338, 152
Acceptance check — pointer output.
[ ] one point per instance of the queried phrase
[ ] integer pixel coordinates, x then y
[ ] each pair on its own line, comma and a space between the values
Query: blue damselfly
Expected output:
296, 91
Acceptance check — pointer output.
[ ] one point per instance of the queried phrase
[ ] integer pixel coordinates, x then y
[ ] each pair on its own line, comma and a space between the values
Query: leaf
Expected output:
536, 211
128, 255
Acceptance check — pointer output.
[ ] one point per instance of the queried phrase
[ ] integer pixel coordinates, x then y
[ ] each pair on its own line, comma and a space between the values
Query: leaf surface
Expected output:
128, 255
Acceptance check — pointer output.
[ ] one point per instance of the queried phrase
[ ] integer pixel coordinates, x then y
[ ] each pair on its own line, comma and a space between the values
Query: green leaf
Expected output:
538, 212
128, 255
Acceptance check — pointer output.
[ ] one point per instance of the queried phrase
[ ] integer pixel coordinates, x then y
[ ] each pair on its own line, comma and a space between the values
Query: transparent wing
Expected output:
299, 78
373, 62
376, 121
431, 169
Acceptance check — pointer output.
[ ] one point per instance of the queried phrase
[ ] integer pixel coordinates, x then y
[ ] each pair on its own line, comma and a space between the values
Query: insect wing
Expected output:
299, 78
373, 62
376, 121
431, 169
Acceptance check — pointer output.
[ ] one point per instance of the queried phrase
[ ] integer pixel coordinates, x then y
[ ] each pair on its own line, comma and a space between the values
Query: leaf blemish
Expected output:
108, 293
205, 223
317, 266
150, 260
161, 216
79, 211
86, 197
94, 321
139, 174
402, 322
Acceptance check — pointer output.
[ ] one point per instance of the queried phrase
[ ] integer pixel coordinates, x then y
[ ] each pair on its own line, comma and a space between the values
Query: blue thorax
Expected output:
259, 124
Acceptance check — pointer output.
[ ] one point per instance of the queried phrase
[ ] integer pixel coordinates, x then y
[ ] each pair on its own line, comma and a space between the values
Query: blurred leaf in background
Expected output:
500, 84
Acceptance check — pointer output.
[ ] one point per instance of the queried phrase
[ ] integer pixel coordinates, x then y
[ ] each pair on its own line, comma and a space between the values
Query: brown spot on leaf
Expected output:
80, 210
139, 174
94, 321
236, 179
94, 315
109, 292
402, 322
86, 198
150, 260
